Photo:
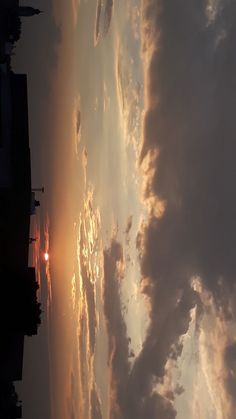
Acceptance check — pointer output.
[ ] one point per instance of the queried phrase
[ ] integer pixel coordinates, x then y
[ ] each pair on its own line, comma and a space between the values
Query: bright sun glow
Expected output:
46, 256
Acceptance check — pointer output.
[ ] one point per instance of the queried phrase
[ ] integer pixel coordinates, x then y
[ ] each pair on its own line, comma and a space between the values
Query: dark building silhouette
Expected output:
28, 11
15, 170
17, 412
20, 311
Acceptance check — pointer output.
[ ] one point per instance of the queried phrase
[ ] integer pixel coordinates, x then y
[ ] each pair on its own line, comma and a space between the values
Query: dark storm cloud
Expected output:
190, 119
189, 139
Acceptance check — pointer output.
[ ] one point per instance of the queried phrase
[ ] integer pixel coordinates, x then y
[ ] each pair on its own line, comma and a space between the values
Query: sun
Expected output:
46, 256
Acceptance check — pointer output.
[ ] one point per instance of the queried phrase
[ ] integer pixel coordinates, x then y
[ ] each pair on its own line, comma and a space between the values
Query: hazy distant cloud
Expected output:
103, 19
189, 128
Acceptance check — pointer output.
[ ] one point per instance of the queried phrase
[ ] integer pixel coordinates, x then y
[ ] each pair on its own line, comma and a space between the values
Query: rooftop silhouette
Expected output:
20, 310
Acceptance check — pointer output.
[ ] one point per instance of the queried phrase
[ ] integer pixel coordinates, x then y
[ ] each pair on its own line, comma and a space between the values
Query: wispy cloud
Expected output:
109, 4
77, 126
129, 225
103, 18
97, 22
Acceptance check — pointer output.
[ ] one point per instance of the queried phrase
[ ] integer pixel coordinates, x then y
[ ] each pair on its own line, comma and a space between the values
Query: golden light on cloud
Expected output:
84, 289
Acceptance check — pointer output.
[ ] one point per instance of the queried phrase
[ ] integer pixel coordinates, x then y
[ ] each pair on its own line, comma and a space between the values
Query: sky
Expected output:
132, 134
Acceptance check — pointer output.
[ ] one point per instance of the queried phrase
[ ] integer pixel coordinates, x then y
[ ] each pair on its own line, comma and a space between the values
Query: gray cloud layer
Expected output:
190, 67
189, 120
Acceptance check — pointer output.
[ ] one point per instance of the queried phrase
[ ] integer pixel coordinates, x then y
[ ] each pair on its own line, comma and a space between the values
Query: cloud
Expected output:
131, 391
85, 163
129, 225
103, 19
195, 166
133, 16
188, 158
129, 93
188, 151
108, 15
97, 22
230, 380
77, 127
118, 343
211, 337
88, 286
78, 122
95, 405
